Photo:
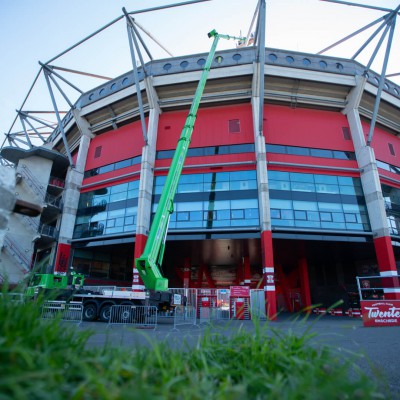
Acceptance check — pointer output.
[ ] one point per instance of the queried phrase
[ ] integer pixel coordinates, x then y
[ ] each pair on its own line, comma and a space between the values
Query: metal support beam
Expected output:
261, 59
24, 117
381, 82
60, 126
132, 45
25, 131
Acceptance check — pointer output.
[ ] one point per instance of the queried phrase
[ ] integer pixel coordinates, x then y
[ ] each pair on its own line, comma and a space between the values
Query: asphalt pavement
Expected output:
376, 350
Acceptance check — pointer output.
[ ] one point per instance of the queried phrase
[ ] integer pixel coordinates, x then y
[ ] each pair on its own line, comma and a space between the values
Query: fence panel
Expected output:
184, 315
71, 312
257, 303
144, 316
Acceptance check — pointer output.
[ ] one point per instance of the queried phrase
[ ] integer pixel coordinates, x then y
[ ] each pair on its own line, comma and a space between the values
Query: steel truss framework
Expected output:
37, 128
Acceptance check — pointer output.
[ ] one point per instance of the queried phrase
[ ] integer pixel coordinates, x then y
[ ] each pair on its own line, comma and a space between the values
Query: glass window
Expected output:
217, 205
279, 185
275, 213
325, 188
123, 164
313, 215
325, 216
196, 215
237, 214
116, 213
299, 151
275, 148
278, 175
302, 187
329, 206
350, 217
106, 168
119, 188
321, 153
327, 179
337, 217
299, 177
244, 203
251, 213
133, 185
341, 155
118, 197
300, 215
119, 221
129, 220
348, 190
304, 205
223, 214
182, 216
287, 214
188, 206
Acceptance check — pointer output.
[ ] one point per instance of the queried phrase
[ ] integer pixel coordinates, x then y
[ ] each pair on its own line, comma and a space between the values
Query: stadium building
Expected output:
291, 183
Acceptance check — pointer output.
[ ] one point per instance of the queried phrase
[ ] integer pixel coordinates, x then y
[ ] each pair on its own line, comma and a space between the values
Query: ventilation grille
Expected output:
234, 126
97, 151
391, 149
346, 133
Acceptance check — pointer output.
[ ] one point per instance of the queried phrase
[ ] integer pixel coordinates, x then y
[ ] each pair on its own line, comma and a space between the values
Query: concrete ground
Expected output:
375, 350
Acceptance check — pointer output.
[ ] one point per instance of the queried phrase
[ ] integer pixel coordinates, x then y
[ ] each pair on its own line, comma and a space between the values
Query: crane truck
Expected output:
97, 305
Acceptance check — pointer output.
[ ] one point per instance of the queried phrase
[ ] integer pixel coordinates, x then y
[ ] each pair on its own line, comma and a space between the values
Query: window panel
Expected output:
305, 205
300, 215
299, 177
251, 213
275, 213
287, 214
237, 214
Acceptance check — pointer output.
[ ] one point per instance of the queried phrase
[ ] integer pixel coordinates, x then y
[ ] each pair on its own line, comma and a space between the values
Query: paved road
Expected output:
378, 349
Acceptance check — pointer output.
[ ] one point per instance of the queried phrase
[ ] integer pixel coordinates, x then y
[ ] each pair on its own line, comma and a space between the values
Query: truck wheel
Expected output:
89, 312
105, 313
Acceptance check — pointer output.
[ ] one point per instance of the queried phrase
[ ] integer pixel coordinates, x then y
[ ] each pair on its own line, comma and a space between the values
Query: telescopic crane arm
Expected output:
148, 264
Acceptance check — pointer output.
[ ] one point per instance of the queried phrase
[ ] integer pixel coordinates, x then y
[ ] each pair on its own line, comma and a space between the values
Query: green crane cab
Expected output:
58, 286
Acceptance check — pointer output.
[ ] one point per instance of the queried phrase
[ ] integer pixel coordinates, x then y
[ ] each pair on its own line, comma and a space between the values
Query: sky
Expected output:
39, 30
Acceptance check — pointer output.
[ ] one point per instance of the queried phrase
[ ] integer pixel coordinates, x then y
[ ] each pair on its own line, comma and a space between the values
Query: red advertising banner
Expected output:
240, 291
381, 312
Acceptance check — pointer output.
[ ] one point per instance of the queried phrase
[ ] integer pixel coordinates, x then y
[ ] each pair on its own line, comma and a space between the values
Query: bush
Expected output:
41, 359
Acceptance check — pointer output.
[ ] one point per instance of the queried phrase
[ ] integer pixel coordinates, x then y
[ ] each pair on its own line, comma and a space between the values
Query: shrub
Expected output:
41, 359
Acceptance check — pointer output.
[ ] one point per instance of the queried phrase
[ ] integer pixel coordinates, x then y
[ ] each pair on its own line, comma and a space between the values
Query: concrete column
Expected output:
263, 202
373, 193
71, 196
146, 181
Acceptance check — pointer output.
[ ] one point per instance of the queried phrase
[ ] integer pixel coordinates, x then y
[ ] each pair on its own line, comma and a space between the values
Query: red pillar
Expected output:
387, 267
268, 274
140, 243
246, 271
304, 284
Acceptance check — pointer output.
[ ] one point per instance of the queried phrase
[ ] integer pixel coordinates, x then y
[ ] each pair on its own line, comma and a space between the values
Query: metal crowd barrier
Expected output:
144, 316
184, 315
71, 312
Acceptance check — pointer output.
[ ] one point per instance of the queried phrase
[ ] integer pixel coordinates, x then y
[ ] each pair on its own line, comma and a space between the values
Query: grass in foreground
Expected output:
47, 360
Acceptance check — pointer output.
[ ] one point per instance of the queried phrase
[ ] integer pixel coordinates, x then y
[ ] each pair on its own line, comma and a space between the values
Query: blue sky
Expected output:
38, 30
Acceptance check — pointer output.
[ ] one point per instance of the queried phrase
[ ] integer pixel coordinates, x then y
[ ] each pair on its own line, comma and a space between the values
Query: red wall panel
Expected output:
305, 128
211, 127
116, 145
380, 144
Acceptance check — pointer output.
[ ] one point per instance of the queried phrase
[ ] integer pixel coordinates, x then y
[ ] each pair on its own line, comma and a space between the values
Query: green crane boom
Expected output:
148, 264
